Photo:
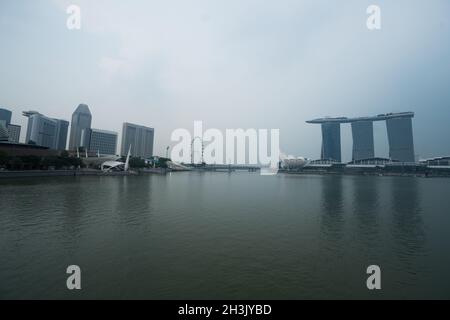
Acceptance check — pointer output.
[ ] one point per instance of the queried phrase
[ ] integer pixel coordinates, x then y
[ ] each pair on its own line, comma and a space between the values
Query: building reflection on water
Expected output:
366, 209
407, 222
332, 207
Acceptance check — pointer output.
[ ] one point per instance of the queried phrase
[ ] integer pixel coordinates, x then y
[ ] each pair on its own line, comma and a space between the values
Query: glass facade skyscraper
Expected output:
5, 115
81, 120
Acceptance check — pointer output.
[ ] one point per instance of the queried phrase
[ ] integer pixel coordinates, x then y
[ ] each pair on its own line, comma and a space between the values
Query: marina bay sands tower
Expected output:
399, 129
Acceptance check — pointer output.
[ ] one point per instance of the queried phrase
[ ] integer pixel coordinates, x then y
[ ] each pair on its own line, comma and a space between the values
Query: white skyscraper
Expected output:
45, 131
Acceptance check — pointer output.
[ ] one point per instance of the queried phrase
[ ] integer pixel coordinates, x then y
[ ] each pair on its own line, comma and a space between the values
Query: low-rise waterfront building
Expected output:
437, 162
22, 149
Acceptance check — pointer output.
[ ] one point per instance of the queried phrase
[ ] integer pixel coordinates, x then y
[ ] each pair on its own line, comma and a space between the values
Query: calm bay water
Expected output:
225, 236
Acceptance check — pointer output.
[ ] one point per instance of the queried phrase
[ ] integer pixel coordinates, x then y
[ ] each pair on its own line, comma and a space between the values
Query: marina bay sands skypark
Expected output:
399, 130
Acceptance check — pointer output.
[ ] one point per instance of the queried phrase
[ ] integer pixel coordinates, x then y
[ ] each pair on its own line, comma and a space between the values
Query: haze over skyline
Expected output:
231, 64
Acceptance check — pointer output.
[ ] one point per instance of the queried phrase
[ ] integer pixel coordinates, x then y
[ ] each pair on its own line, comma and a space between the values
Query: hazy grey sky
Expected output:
231, 63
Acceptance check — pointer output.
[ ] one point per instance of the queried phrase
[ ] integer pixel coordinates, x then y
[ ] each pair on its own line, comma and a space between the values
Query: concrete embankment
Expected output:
155, 170
397, 171
60, 173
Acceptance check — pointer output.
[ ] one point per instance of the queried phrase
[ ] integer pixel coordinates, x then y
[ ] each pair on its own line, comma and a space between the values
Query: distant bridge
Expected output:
223, 167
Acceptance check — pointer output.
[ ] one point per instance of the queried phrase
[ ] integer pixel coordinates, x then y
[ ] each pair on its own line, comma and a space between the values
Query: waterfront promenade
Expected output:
5, 174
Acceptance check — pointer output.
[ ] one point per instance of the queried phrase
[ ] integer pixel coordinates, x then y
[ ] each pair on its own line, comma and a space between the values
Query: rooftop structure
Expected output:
380, 117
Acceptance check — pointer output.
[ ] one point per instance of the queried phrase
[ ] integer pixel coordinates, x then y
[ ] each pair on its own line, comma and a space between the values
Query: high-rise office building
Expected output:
62, 129
46, 132
81, 120
14, 133
331, 141
13, 130
400, 137
363, 143
5, 115
4, 134
140, 139
102, 142
40, 129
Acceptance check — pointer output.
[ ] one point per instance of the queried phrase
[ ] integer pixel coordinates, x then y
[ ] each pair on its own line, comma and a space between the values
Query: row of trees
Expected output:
139, 163
32, 162
64, 161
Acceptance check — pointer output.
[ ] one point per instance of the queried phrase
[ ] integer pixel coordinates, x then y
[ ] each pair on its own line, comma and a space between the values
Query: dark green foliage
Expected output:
3, 158
137, 163
31, 162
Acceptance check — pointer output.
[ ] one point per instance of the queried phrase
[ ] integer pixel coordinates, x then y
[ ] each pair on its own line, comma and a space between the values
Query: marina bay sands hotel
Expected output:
399, 130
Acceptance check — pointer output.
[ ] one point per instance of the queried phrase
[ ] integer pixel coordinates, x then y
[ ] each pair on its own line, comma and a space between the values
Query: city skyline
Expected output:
54, 133
399, 130
216, 64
